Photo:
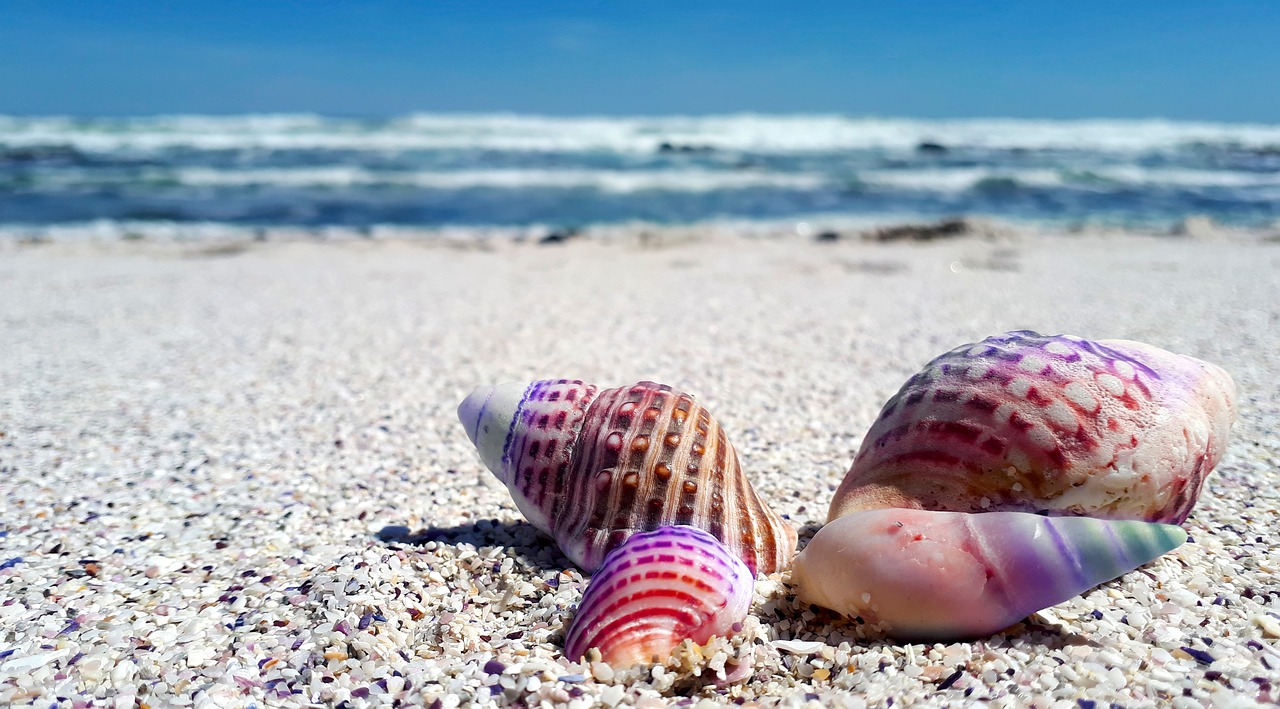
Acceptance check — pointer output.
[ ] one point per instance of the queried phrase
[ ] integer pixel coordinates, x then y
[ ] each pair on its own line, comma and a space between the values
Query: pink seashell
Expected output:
592, 467
1057, 424
1017, 423
656, 590
933, 576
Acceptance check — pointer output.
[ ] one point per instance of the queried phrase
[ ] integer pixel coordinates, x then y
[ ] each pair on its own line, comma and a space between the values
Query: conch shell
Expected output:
1023, 423
654, 591
593, 467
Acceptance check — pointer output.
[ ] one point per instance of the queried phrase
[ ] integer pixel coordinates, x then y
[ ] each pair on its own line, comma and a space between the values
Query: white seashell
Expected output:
799, 647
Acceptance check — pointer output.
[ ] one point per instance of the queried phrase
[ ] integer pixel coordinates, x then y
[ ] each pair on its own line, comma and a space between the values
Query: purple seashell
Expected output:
1058, 424
1017, 423
592, 467
1201, 656
656, 590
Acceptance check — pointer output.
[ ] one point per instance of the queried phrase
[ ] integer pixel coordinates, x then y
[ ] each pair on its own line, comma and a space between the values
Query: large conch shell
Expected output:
1018, 423
656, 590
592, 467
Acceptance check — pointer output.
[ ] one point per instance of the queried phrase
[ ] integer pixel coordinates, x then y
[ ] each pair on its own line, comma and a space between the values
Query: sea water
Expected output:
449, 170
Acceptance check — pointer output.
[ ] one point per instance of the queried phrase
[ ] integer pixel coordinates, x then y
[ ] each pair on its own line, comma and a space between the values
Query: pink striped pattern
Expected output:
1057, 424
656, 590
594, 467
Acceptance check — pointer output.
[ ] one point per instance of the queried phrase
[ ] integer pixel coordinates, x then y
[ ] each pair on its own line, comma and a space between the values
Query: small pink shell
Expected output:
654, 591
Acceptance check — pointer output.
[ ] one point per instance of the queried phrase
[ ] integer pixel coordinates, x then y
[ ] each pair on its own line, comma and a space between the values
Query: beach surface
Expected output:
232, 474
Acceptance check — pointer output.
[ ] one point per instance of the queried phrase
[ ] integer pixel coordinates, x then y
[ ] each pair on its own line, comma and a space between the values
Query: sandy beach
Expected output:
232, 473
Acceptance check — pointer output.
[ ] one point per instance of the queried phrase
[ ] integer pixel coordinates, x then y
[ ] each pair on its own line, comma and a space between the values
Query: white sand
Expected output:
199, 447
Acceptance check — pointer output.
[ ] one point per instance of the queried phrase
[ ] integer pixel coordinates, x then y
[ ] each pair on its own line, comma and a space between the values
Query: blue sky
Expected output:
1172, 59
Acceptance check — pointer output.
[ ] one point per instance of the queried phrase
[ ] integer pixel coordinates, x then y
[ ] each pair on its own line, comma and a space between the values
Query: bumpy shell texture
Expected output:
930, 535
593, 467
656, 590
1056, 424
929, 575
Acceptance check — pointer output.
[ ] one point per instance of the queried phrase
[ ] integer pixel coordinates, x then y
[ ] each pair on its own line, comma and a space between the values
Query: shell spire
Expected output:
656, 590
592, 467
927, 575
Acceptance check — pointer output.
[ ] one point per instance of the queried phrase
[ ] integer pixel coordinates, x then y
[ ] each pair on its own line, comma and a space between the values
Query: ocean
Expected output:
431, 171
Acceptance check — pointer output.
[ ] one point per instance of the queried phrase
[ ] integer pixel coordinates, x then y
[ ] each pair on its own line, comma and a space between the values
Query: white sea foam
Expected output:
621, 181
1109, 178
699, 180
749, 133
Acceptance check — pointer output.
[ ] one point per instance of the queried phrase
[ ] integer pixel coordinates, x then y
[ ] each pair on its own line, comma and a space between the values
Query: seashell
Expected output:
592, 467
654, 591
941, 576
1059, 425
1024, 423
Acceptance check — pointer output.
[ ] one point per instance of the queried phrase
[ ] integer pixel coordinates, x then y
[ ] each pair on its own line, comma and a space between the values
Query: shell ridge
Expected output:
565, 430
748, 531
672, 592
717, 445
507, 462
563, 490
677, 465
647, 484
580, 506
519, 441
1105, 350
635, 457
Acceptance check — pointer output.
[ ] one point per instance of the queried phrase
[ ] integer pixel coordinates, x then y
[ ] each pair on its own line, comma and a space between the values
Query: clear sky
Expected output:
1211, 60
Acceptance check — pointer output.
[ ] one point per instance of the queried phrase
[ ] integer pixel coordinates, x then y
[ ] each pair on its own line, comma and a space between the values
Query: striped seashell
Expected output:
1019, 422
1058, 424
592, 467
939, 576
656, 590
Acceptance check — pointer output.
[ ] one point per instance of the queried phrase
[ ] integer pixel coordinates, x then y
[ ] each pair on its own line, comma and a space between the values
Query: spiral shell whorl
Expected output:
525, 434
656, 590
1053, 424
594, 467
